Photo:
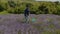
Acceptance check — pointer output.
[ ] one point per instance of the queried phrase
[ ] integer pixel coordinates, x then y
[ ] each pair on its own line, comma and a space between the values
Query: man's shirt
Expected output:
26, 12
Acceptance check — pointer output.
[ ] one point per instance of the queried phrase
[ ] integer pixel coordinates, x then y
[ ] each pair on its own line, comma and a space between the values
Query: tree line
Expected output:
36, 7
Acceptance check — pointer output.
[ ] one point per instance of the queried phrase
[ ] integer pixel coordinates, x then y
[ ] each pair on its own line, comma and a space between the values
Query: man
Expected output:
26, 14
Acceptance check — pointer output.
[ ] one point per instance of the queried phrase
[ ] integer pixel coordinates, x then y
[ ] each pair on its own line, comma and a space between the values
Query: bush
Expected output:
1, 8
35, 7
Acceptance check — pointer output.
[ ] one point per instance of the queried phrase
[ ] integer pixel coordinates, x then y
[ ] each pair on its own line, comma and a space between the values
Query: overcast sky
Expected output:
48, 0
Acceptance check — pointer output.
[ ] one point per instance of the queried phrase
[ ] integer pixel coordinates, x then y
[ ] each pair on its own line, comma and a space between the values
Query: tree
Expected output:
57, 2
1, 8
11, 4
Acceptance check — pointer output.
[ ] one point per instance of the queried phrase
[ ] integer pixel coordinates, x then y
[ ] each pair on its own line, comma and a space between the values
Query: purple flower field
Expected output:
44, 24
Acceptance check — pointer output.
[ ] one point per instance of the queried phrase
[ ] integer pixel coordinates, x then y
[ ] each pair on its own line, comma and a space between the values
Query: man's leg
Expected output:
27, 19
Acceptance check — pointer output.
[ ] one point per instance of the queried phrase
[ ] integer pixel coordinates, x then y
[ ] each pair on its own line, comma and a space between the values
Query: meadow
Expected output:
47, 15
44, 24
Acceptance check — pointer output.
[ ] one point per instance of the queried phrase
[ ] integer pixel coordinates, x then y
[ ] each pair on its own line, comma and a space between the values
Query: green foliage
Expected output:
18, 7
1, 8
57, 31
4, 12
11, 4
47, 32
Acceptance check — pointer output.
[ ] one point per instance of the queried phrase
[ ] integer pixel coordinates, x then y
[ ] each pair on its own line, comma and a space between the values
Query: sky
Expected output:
48, 0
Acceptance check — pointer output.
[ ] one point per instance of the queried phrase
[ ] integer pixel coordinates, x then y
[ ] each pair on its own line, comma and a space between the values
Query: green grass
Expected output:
4, 12
57, 31
47, 32
19, 32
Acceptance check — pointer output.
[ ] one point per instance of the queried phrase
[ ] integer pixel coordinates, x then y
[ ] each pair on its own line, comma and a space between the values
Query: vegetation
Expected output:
41, 7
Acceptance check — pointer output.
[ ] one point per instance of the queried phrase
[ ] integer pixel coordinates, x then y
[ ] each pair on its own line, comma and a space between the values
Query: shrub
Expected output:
1, 8
35, 7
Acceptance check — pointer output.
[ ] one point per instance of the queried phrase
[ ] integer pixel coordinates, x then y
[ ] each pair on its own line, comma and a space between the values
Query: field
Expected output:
44, 17
44, 24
